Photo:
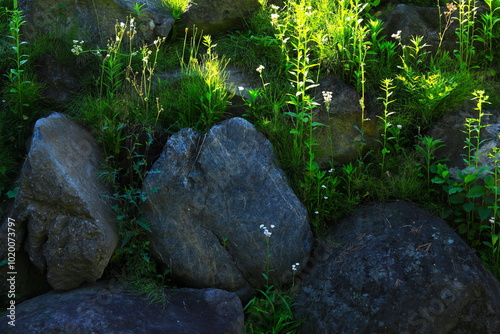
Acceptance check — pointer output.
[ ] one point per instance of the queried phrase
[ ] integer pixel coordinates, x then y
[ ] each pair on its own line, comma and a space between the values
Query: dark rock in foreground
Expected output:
398, 269
107, 308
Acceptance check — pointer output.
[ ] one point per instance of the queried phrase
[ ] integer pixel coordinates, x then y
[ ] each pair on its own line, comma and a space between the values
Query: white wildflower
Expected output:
77, 47
274, 18
397, 35
399, 126
266, 231
323, 186
316, 212
327, 96
260, 68
241, 88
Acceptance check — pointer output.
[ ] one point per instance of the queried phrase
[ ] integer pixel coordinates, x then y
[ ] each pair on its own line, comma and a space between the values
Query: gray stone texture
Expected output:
109, 308
59, 209
214, 192
395, 268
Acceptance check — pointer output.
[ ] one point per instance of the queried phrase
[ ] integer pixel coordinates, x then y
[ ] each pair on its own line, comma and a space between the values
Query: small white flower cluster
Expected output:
146, 56
266, 231
327, 96
260, 68
294, 266
77, 47
492, 220
397, 35
274, 18
399, 126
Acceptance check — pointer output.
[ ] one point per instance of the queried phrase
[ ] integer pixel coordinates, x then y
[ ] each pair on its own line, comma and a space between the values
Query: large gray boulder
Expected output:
59, 210
108, 308
214, 191
215, 16
93, 20
395, 268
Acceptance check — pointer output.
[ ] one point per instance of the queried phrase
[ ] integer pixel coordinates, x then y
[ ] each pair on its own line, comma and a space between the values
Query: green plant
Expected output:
125, 86
176, 7
271, 310
401, 181
469, 196
21, 91
202, 93
20, 94
488, 29
473, 130
427, 146
466, 31
492, 255
382, 55
386, 124
340, 36
133, 254
428, 95
451, 8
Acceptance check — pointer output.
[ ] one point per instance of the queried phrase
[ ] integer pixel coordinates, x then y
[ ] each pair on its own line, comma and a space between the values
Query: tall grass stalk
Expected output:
489, 22
451, 8
387, 87
143, 82
466, 32
473, 131
340, 35
16, 76
427, 146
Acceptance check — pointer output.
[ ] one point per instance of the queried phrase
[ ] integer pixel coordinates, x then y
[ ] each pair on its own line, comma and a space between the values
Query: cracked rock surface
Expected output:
209, 194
